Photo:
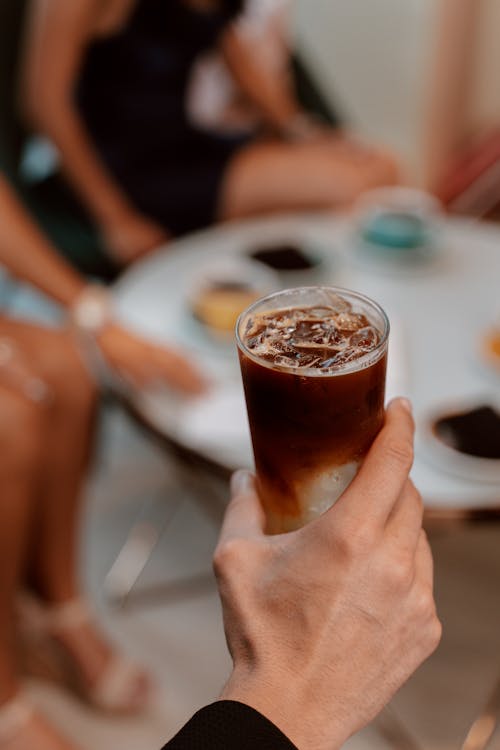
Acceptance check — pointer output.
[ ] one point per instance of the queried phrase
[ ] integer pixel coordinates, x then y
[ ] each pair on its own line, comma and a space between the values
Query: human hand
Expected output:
324, 624
145, 363
131, 235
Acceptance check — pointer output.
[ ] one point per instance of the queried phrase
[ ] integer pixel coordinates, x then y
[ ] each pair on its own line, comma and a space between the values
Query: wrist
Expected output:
71, 292
288, 708
92, 311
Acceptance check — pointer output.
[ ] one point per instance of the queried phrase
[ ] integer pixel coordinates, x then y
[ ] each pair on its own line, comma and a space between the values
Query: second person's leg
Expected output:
267, 177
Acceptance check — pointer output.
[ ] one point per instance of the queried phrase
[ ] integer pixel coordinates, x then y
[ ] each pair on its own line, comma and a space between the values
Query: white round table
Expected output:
438, 312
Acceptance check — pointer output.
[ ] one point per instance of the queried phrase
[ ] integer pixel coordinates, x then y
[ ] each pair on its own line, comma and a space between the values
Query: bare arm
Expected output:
28, 255
269, 93
57, 35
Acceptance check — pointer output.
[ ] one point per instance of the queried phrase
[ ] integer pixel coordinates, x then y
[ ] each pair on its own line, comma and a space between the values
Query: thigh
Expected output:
278, 176
22, 432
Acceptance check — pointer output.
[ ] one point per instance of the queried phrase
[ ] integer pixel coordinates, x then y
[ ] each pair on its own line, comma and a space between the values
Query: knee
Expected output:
380, 172
387, 168
375, 168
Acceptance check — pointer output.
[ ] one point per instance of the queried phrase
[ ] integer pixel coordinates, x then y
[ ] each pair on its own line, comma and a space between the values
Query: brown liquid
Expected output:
303, 424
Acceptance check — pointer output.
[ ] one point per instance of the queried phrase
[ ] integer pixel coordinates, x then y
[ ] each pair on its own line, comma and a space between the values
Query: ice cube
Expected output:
337, 304
366, 338
348, 321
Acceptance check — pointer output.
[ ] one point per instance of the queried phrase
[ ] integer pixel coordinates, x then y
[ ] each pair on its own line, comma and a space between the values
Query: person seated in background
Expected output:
107, 83
47, 410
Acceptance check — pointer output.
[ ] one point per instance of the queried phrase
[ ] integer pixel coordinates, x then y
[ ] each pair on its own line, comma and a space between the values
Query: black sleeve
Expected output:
229, 725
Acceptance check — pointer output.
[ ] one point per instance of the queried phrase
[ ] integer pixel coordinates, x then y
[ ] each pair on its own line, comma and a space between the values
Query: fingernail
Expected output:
241, 481
405, 403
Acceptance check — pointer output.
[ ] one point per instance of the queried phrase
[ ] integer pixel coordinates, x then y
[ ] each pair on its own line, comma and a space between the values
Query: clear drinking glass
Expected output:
313, 363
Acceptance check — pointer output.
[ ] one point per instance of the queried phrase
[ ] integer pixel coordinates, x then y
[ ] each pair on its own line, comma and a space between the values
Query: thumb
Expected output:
244, 515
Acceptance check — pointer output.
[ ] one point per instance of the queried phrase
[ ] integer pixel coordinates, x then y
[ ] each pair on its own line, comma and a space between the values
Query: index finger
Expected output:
374, 491
244, 515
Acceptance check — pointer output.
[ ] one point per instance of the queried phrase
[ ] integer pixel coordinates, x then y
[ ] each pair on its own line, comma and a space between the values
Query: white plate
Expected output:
442, 456
214, 425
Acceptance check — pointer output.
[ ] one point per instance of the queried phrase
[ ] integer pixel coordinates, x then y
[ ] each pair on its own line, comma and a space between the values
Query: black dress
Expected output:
131, 95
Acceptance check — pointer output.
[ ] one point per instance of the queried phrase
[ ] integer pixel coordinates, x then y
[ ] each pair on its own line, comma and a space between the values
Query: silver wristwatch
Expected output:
92, 311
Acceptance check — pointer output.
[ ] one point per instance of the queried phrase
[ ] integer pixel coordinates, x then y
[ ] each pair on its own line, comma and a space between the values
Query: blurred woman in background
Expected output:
107, 82
47, 408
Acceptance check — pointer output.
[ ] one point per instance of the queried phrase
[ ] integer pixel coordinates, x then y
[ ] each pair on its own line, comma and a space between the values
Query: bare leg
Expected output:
22, 429
67, 445
20, 441
326, 174
66, 449
53, 564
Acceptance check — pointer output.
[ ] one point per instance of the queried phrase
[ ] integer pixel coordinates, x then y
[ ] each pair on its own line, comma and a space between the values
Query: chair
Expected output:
50, 202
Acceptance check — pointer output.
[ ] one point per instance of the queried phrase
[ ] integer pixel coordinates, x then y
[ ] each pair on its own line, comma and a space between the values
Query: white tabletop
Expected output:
438, 311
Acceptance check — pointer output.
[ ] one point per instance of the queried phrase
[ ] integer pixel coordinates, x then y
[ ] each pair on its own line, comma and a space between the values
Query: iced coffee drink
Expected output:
313, 362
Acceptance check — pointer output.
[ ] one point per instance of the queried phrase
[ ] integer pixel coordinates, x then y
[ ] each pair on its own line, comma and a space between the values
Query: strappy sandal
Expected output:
122, 688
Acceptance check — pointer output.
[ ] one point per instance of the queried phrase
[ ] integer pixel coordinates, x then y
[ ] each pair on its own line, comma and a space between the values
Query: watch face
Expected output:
92, 310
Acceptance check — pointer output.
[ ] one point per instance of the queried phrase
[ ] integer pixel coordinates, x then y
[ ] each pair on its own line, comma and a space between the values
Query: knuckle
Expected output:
230, 556
400, 572
425, 606
435, 632
225, 555
352, 542
400, 453
417, 497
431, 635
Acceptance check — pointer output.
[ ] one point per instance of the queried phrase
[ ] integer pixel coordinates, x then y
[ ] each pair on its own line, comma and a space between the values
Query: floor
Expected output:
182, 642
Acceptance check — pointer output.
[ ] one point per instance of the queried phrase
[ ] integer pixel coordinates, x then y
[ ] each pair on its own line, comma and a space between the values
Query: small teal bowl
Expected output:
398, 231
397, 224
